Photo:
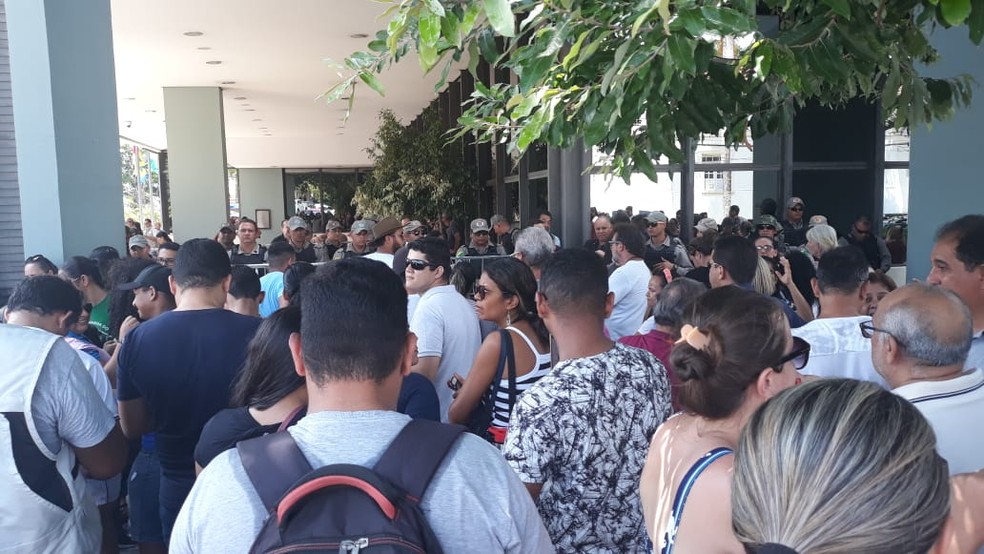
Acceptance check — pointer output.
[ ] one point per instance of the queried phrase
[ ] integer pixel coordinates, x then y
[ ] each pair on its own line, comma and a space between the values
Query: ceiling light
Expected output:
345, 98
150, 111
130, 98
213, 62
339, 134
258, 119
194, 34
204, 48
227, 83
358, 35
249, 110
240, 98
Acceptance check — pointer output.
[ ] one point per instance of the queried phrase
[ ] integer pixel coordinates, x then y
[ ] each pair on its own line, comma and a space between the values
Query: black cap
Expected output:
152, 276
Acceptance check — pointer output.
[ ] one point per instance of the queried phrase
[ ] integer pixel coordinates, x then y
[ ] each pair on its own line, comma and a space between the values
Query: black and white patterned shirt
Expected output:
583, 431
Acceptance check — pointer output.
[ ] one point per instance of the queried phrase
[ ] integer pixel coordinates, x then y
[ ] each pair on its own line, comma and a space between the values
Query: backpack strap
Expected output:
413, 457
273, 463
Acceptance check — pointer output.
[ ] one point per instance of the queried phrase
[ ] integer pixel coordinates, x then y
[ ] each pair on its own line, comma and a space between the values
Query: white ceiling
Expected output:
275, 51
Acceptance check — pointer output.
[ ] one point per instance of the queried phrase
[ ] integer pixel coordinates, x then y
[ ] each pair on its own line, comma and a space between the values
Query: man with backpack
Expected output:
379, 476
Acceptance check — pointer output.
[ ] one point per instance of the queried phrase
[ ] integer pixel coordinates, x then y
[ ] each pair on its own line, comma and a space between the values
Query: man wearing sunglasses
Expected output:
446, 325
839, 349
479, 244
920, 337
874, 247
793, 225
662, 250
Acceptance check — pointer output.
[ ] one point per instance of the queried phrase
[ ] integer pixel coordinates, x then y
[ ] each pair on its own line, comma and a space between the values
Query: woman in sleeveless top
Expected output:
506, 295
736, 352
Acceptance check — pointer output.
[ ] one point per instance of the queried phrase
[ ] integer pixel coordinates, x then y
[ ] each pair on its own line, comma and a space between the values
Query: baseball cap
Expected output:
766, 219
707, 224
385, 226
412, 226
479, 225
152, 276
794, 201
138, 241
818, 220
332, 224
656, 216
296, 222
363, 225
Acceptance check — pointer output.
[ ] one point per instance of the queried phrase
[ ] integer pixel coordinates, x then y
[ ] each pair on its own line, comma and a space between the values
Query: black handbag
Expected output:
482, 415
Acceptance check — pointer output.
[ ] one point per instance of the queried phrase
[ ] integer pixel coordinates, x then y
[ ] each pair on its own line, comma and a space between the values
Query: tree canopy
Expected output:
415, 171
637, 78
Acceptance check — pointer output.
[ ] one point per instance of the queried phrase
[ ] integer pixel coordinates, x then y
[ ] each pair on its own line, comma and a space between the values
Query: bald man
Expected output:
920, 337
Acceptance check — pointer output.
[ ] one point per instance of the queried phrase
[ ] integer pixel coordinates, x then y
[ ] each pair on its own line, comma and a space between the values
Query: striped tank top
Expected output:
500, 417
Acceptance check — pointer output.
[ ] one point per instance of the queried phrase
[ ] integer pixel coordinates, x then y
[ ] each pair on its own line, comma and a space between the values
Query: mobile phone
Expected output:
454, 383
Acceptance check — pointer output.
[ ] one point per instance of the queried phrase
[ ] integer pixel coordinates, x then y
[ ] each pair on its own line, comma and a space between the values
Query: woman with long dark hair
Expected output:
506, 295
267, 393
87, 278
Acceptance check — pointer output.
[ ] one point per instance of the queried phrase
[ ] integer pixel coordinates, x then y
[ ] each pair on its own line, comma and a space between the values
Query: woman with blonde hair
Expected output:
838, 465
735, 352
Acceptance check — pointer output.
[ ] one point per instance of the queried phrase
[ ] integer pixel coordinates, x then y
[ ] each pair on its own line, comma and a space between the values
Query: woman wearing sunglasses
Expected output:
735, 353
506, 295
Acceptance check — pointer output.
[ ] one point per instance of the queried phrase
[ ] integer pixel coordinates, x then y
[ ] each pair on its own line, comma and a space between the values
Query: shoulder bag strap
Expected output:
293, 417
413, 457
273, 463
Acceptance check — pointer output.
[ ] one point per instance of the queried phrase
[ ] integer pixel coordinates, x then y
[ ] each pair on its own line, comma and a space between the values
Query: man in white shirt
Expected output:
355, 348
920, 337
628, 283
838, 347
387, 239
958, 265
446, 325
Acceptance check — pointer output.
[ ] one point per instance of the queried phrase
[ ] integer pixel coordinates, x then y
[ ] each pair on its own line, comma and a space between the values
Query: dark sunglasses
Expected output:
416, 233
860, 232
650, 225
769, 227
420, 265
481, 291
800, 355
486, 233
796, 209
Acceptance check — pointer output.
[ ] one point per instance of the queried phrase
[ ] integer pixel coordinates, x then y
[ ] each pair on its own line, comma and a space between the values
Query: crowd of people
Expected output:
764, 388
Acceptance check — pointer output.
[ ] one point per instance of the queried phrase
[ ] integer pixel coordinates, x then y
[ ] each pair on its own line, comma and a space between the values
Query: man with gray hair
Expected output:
920, 337
502, 234
534, 246
667, 318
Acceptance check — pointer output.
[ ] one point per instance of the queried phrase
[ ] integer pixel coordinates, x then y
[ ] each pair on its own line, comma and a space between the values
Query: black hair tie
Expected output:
774, 548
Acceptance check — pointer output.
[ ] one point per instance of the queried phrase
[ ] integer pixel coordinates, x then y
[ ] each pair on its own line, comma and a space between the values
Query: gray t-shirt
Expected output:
475, 503
66, 406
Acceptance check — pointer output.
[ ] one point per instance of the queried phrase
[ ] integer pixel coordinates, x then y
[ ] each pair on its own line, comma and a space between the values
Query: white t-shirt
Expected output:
381, 257
629, 283
475, 503
446, 325
955, 409
838, 349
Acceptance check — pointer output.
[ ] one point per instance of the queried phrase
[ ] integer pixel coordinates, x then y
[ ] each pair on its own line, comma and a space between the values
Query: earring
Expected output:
508, 319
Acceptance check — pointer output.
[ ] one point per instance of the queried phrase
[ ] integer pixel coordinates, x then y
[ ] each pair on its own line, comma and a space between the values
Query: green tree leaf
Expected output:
373, 83
430, 29
955, 12
976, 21
500, 17
840, 7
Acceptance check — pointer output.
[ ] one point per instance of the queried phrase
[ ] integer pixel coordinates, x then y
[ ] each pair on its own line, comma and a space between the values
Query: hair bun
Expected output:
690, 363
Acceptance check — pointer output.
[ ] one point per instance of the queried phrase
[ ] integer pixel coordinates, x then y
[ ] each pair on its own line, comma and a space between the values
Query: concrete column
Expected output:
946, 165
196, 160
63, 89
262, 189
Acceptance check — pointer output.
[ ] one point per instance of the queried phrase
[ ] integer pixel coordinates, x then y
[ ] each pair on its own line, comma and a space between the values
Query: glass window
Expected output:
896, 200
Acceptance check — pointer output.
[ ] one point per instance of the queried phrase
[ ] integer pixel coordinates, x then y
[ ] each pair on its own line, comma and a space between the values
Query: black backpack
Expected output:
347, 508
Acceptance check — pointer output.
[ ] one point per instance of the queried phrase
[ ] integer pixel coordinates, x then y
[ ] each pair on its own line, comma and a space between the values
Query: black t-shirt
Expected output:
701, 275
183, 363
224, 430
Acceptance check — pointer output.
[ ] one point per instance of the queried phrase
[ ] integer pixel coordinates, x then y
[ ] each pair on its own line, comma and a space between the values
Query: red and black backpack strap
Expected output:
413, 457
274, 464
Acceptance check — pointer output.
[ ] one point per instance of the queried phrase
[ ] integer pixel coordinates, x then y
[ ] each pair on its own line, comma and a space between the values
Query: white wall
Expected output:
262, 189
